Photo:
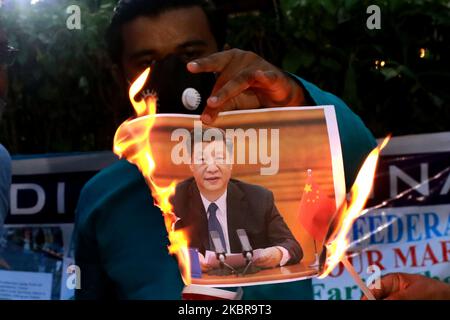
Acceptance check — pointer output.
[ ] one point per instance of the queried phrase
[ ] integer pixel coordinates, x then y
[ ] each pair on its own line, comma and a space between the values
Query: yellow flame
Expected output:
132, 141
359, 193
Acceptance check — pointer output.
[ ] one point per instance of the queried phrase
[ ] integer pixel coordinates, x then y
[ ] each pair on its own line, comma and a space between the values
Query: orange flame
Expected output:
132, 141
337, 243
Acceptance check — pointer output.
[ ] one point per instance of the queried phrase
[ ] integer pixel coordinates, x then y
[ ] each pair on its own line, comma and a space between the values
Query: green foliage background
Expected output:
63, 97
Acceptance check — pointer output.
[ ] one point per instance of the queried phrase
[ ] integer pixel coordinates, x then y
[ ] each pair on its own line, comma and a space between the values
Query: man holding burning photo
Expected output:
212, 201
120, 238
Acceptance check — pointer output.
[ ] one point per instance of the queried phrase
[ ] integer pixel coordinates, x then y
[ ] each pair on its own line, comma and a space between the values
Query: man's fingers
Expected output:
225, 90
213, 63
262, 259
265, 79
268, 262
205, 267
261, 263
230, 89
399, 295
274, 84
210, 113
390, 284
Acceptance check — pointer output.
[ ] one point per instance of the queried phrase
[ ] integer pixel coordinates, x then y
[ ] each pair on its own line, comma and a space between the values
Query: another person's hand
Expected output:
245, 81
269, 258
403, 286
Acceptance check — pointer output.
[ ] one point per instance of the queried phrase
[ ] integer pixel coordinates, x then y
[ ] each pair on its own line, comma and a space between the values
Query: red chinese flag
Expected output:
316, 210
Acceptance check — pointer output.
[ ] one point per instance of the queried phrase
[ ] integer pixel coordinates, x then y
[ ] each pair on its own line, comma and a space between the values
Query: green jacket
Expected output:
121, 242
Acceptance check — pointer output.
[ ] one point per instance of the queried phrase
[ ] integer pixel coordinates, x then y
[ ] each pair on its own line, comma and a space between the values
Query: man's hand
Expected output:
246, 81
403, 286
269, 258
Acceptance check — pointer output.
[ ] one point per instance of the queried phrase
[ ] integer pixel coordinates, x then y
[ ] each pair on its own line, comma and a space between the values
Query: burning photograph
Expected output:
251, 198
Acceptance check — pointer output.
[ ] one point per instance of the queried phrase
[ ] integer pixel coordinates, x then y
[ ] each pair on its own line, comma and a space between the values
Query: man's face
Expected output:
184, 32
210, 169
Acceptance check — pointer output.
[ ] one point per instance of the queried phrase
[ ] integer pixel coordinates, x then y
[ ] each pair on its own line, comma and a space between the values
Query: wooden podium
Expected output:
299, 270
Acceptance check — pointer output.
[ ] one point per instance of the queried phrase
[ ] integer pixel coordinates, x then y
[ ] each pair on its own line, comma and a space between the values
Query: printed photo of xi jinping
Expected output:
211, 200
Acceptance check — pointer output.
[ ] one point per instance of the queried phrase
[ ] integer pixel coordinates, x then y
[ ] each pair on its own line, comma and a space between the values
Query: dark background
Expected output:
62, 96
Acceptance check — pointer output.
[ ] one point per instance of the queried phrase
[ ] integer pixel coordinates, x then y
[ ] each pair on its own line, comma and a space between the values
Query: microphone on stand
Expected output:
221, 255
218, 247
247, 252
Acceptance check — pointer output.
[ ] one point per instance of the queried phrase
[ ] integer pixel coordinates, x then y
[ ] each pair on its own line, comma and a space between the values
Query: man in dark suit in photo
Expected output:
211, 200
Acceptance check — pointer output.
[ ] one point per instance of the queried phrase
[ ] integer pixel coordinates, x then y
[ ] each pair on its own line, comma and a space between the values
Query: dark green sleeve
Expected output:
121, 241
95, 284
